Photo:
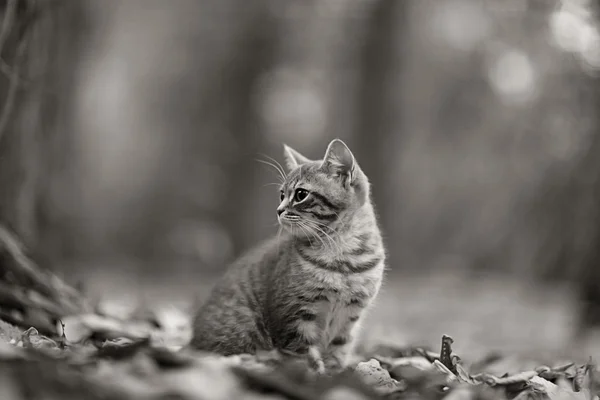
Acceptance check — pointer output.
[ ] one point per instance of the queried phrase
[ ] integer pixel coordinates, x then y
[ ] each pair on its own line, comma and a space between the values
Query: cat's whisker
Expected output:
334, 244
277, 163
272, 184
331, 240
308, 228
279, 237
328, 245
279, 171
332, 231
324, 226
292, 230
303, 229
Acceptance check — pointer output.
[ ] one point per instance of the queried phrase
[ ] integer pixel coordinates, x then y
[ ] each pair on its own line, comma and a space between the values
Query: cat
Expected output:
306, 290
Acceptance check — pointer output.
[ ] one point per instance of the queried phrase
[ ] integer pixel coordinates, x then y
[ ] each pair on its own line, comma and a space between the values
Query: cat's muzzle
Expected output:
287, 218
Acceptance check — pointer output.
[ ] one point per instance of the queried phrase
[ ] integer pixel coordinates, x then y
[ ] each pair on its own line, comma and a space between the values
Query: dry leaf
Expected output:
81, 327
464, 375
450, 377
32, 338
556, 372
508, 380
374, 375
554, 392
580, 375
420, 363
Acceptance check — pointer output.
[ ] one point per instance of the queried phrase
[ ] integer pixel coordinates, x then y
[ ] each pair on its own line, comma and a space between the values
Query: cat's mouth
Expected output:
288, 218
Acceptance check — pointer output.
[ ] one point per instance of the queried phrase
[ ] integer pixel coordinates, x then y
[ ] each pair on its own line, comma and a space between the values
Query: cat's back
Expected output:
234, 306
253, 268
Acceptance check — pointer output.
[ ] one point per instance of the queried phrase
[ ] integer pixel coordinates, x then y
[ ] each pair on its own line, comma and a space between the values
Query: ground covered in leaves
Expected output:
144, 357
118, 340
137, 350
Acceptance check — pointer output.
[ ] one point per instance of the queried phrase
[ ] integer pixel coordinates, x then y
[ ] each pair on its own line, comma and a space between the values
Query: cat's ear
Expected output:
293, 159
340, 161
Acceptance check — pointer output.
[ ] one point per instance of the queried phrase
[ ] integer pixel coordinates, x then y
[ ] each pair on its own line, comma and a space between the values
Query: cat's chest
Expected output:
341, 288
344, 298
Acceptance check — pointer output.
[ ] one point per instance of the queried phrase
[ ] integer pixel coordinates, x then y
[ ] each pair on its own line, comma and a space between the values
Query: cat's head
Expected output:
319, 195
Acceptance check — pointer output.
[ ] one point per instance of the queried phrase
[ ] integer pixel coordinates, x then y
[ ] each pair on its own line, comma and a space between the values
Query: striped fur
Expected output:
307, 289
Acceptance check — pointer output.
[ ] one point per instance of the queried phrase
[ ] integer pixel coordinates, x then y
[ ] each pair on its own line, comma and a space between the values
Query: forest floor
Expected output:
499, 313
506, 339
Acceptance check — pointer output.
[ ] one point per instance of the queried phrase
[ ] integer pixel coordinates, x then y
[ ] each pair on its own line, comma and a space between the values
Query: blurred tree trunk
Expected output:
31, 90
586, 250
254, 53
255, 59
378, 121
566, 212
589, 277
17, 153
38, 45
572, 214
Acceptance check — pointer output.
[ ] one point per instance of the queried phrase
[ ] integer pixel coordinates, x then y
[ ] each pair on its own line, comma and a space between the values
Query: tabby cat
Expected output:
306, 290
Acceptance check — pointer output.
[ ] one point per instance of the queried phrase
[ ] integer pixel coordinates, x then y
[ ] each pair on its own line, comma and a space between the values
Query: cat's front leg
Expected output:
339, 351
342, 345
315, 360
302, 337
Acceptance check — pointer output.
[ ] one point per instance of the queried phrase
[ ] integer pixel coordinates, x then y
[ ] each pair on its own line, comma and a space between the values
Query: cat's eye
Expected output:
300, 194
281, 196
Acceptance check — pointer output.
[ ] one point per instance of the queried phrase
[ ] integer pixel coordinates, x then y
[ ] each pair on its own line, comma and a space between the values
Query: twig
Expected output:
446, 357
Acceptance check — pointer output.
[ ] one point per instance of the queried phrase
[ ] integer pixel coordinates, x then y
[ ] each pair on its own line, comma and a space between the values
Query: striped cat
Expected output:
306, 290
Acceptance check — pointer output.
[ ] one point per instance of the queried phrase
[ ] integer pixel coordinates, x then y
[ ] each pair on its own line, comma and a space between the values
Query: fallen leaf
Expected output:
418, 362
554, 392
580, 375
374, 375
464, 375
492, 380
81, 327
32, 338
450, 377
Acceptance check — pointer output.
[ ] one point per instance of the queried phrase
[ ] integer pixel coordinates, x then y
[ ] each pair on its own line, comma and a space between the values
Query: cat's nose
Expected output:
280, 211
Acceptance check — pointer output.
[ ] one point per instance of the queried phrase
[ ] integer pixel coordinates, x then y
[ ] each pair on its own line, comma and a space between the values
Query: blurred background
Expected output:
130, 130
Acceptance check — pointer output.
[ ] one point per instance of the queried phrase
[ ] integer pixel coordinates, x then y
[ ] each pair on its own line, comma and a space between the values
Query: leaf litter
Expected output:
55, 345
145, 356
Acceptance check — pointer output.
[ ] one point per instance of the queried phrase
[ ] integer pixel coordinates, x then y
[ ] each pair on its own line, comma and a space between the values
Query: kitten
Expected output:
306, 290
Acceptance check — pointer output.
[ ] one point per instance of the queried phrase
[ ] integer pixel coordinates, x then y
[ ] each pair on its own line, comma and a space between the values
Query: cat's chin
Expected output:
289, 226
292, 228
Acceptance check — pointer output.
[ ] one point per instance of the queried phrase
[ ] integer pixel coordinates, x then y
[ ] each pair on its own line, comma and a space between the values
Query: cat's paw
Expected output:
334, 365
320, 368
315, 360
